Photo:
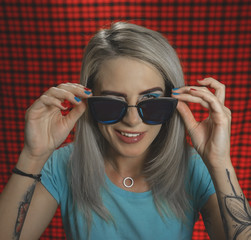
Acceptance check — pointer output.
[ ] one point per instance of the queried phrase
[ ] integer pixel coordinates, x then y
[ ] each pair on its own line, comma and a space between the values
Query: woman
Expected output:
129, 173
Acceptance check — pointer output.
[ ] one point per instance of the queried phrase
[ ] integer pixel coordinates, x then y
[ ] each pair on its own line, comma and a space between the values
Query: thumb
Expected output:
72, 117
186, 115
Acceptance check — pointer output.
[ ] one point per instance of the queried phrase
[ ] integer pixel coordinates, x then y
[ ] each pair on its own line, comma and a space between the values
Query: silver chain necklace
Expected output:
125, 179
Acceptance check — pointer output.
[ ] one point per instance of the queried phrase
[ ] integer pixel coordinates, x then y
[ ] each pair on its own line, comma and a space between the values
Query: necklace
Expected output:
125, 179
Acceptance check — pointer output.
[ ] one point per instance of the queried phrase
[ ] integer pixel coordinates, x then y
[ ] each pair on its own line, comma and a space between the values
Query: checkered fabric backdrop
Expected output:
42, 42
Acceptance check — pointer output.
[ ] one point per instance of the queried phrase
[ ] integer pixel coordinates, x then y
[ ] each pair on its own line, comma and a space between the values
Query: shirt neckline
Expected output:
114, 188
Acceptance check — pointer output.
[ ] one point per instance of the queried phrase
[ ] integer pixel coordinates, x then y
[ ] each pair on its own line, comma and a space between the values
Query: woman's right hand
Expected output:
46, 128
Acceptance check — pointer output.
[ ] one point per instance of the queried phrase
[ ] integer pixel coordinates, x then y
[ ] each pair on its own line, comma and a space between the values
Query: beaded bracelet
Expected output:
37, 177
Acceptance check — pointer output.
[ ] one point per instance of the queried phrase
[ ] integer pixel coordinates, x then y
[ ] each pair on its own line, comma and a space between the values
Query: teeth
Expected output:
130, 134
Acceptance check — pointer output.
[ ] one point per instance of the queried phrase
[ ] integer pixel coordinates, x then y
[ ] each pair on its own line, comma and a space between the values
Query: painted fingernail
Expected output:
175, 93
175, 89
87, 89
193, 89
77, 99
88, 92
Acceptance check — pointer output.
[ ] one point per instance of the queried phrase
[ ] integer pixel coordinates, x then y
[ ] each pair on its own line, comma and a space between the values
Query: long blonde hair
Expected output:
165, 169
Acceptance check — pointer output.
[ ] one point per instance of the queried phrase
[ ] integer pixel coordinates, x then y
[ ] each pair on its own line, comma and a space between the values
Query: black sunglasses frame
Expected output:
171, 102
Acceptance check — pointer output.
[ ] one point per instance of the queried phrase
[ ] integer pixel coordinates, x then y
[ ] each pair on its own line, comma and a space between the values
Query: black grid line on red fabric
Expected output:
41, 45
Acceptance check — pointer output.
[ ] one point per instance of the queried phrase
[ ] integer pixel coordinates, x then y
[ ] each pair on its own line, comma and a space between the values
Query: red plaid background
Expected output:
42, 41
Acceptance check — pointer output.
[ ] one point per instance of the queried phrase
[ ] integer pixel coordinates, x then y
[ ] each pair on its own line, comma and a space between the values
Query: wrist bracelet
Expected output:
37, 177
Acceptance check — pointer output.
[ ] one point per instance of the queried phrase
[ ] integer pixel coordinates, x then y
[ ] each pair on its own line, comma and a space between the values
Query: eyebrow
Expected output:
107, 92
151, 90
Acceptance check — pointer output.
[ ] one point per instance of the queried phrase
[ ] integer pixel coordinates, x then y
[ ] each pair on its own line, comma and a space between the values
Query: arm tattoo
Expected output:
239, 210
22, 211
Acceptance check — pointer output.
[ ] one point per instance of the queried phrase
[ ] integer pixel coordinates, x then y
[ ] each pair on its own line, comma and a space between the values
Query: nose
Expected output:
132, 117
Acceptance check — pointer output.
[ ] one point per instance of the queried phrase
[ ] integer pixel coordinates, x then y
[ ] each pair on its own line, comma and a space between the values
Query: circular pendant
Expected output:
124, 182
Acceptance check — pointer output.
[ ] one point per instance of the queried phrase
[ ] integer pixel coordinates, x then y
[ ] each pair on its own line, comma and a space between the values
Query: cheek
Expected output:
105, 130
155, 130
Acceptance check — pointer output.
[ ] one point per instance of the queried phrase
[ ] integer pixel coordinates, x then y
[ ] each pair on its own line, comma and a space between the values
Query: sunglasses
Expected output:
155, 111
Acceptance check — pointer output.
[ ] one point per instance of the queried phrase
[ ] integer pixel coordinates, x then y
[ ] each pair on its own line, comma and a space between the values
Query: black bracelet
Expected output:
37, 177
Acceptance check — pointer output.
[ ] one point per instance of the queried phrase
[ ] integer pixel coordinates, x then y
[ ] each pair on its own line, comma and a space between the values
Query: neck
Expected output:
126, 166
119, 168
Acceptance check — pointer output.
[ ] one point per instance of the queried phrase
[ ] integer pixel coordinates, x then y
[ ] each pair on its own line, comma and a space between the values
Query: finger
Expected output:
186, 89
210, 99
76, 89
206, 98
62, 94
72, 117
77, 85
220, 89
82, 92
187, 116
185, 94
49, 101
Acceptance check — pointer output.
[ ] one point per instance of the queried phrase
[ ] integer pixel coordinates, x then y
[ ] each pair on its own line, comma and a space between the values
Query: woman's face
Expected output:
132, 81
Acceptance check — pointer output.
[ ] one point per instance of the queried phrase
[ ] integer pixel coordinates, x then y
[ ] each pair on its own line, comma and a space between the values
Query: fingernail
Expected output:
87, 89
175, 93
88, 92
77, 99
193, 89
175, 89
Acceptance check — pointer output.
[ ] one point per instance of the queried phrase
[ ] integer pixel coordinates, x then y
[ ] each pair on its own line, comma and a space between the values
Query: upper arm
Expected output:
42, 209
212, 219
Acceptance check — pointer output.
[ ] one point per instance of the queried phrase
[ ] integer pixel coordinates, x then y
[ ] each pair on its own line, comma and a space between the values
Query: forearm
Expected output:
15, 200
234, 207
14, 204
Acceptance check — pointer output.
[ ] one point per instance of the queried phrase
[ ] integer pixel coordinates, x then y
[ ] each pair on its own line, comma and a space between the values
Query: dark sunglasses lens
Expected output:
157, 111
107, 111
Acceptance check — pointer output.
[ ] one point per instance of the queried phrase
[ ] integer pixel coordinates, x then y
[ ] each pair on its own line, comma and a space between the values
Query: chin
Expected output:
132, 153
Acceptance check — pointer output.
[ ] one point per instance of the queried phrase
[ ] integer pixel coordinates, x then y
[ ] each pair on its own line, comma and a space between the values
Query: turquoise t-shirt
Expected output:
135, 214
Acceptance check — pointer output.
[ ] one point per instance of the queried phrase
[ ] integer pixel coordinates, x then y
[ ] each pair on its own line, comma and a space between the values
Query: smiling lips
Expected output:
130, 137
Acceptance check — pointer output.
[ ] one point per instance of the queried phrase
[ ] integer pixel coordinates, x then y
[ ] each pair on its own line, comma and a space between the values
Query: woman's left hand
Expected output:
210, 137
